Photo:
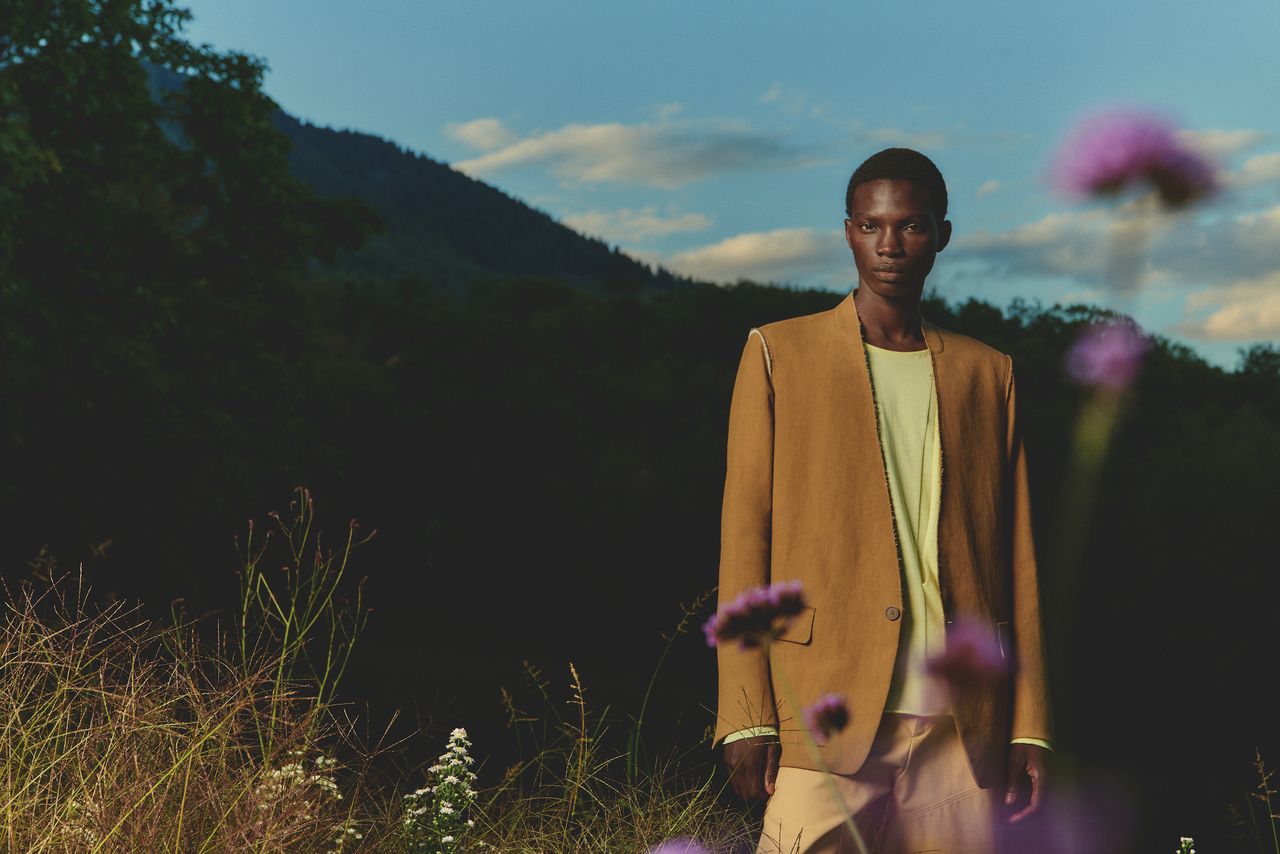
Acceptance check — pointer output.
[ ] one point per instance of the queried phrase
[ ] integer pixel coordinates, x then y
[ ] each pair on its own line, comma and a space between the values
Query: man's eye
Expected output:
865, 226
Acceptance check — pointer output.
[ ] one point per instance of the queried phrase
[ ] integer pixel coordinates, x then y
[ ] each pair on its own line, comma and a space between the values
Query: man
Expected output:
877, 459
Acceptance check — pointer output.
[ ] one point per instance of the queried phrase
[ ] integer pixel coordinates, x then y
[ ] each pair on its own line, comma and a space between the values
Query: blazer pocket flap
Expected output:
800, 629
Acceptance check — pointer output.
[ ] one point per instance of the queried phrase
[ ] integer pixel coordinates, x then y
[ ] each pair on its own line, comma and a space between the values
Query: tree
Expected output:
152, 250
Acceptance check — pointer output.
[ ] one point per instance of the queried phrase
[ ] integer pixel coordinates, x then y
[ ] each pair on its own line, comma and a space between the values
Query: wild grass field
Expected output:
225, 735
121, 734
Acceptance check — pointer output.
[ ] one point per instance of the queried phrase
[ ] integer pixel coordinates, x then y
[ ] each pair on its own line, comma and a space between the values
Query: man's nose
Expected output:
889, 243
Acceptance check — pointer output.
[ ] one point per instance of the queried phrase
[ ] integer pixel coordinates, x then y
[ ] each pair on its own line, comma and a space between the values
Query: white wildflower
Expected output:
435, 815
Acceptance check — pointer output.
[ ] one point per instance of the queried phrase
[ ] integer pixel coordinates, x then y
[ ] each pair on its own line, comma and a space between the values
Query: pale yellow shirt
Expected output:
905, 405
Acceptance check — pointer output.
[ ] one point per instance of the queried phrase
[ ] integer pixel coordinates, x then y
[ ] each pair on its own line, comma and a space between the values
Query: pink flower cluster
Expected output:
1107, 354
828, 715
972, 655
757, 616
1113, 150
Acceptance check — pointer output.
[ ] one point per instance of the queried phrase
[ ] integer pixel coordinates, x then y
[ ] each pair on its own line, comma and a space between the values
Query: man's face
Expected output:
895, 236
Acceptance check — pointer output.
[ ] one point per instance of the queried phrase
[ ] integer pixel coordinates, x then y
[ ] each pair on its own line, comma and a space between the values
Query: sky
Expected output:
716, 138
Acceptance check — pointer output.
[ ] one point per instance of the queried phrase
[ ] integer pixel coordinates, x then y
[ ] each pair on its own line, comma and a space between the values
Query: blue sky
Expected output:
716, 138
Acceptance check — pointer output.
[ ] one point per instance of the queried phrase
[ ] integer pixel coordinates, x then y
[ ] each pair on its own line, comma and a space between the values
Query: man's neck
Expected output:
890, 324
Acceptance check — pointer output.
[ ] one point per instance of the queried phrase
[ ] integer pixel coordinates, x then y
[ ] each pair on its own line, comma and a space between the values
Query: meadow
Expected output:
229, 733
123, 734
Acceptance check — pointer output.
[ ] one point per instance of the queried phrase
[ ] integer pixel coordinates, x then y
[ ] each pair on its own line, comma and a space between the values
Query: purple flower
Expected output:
683, 845
1113, 150
757, 616
1107, 354
828, 715
972, 655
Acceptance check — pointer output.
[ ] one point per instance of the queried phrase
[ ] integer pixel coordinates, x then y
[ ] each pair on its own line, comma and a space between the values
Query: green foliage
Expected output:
152, 244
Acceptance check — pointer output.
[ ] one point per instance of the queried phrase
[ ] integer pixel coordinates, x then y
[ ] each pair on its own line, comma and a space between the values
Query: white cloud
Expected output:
482, 134
1260, 169
1220, 144
893, 136
661, 154
1223, 248
1245, 310
1054, 244
668, 111
787, 100
785, 254
628, 226
1096, 247
988, 187
1228, 263
1207, 246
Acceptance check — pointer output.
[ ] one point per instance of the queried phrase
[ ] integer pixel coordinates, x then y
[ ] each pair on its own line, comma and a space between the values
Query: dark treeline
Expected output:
188, 330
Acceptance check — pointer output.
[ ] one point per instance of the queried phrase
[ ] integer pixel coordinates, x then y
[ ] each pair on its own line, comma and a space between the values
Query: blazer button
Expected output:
893, 612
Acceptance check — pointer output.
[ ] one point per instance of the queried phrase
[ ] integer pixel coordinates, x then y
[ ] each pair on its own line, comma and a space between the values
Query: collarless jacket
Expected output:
806, 498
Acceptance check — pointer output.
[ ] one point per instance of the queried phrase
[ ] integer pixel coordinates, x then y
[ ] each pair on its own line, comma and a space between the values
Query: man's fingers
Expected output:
752, 764
745, 777
772, 754
1015, 774
1034, 803
1025, 811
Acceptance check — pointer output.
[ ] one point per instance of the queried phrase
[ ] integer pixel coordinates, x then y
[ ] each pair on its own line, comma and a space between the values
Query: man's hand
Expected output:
1027, 762
753, 765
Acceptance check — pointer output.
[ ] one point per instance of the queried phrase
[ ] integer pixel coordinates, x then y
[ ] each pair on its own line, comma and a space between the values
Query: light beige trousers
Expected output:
915, 793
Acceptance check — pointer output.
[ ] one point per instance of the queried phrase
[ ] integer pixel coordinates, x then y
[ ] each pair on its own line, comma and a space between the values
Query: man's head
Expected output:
896, 204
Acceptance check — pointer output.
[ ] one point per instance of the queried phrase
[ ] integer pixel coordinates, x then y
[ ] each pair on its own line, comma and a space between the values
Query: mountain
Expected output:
447, 229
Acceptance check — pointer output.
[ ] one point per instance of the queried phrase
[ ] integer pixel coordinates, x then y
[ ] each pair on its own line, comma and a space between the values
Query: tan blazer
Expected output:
806, 497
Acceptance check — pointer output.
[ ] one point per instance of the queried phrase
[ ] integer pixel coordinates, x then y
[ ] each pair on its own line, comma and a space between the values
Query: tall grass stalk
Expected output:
282, 612
635, 739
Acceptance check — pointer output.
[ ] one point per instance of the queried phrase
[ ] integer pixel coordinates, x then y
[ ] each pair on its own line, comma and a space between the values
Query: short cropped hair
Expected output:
904, 164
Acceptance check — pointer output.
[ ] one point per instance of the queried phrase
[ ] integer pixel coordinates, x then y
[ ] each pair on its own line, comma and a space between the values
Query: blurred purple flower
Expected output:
1107, 354
1112, 150
683, 845
757, 616
972, 656
828, 715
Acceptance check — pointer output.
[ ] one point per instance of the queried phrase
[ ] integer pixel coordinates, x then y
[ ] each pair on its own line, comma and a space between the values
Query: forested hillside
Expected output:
444, 229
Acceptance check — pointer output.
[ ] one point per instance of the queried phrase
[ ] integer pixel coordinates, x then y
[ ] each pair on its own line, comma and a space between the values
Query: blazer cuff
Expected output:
749, 732
1039, 742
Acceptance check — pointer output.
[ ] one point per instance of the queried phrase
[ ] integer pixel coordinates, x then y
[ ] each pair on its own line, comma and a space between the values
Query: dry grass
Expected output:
577, 792
120, 735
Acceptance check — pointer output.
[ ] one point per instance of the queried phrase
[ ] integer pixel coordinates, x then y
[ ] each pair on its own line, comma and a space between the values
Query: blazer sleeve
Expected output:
1032, 714
745, 691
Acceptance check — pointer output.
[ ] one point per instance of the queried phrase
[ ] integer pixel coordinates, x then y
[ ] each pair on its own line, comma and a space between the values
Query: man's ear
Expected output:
848, 233
944, 234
